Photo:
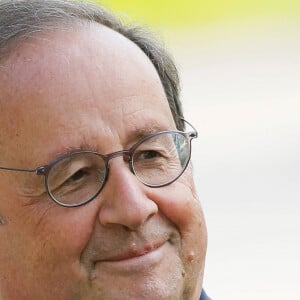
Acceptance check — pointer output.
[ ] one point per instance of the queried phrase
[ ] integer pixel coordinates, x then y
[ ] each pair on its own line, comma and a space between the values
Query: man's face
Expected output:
91, 89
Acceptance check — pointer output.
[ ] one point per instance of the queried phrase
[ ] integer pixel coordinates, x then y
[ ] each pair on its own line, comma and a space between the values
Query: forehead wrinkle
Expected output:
64, 150
94, 144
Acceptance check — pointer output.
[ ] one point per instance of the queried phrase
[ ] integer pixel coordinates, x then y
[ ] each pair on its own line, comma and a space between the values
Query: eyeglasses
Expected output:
156, 160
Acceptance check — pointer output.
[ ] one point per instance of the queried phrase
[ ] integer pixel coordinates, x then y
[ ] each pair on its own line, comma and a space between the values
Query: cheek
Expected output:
59, 241
179, 203
54, 236
70, 230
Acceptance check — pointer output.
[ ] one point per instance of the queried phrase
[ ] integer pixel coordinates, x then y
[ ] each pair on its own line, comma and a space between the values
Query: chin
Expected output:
149, 290
159, 282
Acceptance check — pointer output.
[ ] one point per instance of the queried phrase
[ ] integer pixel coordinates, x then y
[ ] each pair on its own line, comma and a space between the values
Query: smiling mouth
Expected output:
134, 260
135, 252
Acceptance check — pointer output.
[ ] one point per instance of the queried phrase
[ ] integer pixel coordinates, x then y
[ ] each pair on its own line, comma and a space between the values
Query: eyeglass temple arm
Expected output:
19, 170
194, 133
41, 170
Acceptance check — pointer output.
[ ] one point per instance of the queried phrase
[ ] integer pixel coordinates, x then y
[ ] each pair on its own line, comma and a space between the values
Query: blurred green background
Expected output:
165, 13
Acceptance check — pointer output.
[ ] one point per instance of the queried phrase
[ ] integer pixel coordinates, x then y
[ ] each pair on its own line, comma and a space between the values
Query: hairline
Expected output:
71, 14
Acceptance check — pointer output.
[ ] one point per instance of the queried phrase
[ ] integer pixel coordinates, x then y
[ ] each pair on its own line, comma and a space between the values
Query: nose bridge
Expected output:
125, 153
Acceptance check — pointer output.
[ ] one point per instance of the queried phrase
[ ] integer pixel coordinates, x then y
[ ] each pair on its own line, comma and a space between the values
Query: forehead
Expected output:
90, 80
90, 51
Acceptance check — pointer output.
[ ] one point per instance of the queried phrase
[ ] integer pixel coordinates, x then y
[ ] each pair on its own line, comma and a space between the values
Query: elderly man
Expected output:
97, 199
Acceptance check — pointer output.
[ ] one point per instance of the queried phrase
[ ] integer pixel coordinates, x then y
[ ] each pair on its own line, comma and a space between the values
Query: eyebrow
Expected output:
134, 136
65, 150
142, 132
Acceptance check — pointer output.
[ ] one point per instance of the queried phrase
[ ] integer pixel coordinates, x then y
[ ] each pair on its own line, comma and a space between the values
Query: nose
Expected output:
124, 198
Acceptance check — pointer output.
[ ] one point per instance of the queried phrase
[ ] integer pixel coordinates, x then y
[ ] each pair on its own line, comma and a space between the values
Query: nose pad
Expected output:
128, 160
130, 166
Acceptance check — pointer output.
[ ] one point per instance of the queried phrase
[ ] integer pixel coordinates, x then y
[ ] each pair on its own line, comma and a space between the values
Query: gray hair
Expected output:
20, 19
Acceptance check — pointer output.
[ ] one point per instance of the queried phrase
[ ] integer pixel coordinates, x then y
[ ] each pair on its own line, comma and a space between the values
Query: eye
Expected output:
69, 181
68, 176
77, 176
149, 154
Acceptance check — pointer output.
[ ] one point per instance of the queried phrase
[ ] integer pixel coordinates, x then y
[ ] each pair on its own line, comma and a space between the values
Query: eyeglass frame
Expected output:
45, 169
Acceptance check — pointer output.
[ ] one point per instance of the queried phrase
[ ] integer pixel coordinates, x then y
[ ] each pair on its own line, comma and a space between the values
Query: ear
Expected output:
2, 222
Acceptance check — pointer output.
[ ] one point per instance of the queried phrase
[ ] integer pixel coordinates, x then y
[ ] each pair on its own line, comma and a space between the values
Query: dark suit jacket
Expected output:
204, 296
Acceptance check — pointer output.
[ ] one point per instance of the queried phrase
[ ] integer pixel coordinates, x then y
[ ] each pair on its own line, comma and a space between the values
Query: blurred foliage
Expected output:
188, 12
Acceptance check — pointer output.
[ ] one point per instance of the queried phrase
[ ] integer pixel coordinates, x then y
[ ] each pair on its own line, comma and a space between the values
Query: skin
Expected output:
91, 88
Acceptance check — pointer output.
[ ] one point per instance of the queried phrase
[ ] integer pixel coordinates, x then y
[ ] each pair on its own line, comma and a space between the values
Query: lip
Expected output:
134, 259
134, 252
